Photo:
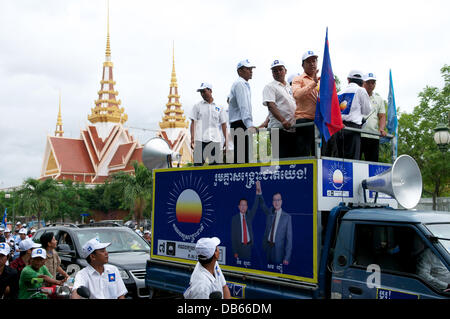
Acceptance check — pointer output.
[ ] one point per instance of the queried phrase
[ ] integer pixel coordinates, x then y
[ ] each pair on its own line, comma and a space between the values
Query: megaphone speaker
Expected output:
157, 154
403, 181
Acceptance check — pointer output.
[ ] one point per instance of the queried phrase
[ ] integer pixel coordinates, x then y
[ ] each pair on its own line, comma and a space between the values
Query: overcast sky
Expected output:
52, 46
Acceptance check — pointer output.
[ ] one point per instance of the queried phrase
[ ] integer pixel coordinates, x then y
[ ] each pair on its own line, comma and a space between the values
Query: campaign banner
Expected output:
237, 204
337, 178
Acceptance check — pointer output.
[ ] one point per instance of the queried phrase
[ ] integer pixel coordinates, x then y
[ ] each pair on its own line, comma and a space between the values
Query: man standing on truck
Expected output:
207, 276
240, 110
206, 119
277, 241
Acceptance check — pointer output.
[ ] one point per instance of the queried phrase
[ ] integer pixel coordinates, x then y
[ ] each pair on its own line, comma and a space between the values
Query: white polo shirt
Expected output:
108, 285
203, 283
281, 95
209, 118
358, 103
372, 123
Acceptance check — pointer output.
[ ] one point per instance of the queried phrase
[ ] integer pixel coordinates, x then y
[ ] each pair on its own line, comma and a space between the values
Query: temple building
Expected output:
104, 146
174, 128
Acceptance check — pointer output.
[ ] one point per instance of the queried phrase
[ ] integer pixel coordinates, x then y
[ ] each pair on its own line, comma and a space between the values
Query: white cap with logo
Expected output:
23, 231
4, 249
277, 63
206, 247
370, 76
246, 63
308, 54
355, 74
93, 245
39, 252
26, 244
204, 85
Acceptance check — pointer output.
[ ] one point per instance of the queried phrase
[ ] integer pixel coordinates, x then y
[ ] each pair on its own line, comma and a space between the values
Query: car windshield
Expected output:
442, 232
121, 240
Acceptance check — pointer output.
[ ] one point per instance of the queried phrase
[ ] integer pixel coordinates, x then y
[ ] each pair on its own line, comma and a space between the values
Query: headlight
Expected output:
123, 274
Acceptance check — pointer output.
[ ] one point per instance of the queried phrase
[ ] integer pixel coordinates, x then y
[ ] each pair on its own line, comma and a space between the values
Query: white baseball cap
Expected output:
245, 63
23, 231
308, 54
355, 74
39, 252
18, 223
92, 245
4, 249
277, 63
206, 247
26, 244
369, 76
204, 85
146, 232
7, 230
33, 231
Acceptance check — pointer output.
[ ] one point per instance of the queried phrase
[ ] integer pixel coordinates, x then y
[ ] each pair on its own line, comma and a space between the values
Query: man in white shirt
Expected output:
102, 280
240, 110
207, 276
375, 122
277, 96
206, 119
354, 103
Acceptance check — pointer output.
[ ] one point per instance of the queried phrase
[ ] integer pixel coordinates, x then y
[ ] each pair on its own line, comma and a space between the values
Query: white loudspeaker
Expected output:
157, 154
403, 181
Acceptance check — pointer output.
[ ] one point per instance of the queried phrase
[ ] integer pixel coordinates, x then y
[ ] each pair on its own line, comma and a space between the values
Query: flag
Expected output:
328, 114
392, 122
4, 221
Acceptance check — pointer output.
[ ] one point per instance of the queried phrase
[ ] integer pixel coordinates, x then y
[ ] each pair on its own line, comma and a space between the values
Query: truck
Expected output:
348, 231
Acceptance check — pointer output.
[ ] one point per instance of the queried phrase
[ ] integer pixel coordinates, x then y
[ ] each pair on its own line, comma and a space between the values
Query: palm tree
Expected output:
38, 196
137, 189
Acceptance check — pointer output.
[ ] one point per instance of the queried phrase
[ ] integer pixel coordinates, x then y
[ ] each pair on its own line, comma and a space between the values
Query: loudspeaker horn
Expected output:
403, 181
157, 154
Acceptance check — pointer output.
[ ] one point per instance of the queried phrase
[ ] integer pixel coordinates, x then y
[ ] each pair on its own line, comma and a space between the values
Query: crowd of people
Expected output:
290, 101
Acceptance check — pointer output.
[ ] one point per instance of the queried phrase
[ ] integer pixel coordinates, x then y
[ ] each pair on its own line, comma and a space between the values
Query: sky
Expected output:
53, 47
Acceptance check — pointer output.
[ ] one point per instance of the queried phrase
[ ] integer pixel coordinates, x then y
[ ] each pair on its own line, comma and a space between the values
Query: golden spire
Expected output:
174, 113
106, 106
59, 130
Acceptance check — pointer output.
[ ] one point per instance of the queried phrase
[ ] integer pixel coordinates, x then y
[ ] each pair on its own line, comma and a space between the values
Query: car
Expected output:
128, 251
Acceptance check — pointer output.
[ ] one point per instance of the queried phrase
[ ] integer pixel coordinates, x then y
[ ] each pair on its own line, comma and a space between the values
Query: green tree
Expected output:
136, 189
415, 137
38, 197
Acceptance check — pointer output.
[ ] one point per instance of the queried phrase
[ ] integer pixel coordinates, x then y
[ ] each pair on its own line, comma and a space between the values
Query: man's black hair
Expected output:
243, 198
46, 238
357, 81
205, 262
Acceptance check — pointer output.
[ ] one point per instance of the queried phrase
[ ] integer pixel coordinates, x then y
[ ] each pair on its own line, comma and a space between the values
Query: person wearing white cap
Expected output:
207, 276
9, 279
102, 279
354, 103
22, 236
207, 120
277, 96
148, 236
36, 269
375, 122
25, 247
240, 111
304, 89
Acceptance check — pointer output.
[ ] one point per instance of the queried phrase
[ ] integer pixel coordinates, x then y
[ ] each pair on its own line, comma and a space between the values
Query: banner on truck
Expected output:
236, 203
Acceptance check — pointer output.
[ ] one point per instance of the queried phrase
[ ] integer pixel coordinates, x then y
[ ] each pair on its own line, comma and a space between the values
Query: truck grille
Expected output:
139, 274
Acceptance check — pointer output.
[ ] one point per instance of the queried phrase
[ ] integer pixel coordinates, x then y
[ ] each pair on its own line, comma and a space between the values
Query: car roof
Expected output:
398, 215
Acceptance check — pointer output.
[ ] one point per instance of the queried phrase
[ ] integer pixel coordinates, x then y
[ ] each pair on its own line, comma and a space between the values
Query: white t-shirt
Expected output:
281, 95
358, 103
372, 123
208, 120
203, 283
108, 285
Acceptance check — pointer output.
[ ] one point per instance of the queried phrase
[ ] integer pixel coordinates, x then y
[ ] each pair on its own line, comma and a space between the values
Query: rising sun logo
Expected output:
189, 207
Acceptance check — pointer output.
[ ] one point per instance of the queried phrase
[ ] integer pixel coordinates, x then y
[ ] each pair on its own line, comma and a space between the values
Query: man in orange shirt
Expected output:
304, 89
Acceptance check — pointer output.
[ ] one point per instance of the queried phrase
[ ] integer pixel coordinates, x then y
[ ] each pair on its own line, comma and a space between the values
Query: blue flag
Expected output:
328, 114
392, 122
4, 219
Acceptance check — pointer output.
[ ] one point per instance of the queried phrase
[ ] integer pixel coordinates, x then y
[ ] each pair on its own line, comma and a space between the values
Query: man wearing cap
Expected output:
102, 279
354, 103
277, 96
207, 276
36, 269
375, 122
22, 236
304, 89
9, 279
206, 119
148, 236
2, 236
26, 246
240, 111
